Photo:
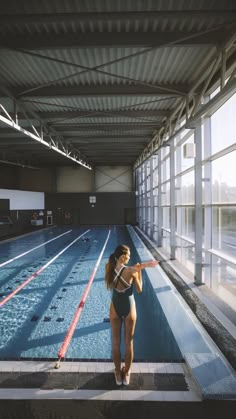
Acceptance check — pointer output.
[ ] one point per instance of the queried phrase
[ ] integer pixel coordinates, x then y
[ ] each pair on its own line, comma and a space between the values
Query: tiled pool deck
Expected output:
211, 371
95, 380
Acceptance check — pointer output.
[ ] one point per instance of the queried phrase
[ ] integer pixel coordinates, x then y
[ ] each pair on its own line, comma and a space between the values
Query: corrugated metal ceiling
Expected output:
101, 76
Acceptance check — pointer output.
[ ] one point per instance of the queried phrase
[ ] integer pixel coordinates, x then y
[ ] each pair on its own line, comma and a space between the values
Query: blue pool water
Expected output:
33, 324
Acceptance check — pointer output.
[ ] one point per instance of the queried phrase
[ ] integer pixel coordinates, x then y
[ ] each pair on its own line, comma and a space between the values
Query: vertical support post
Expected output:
146, 196
143, 197
172, 202
198, 203
15, 112
138, 196
208, 198
151, 199
160, 209
223, 68
178, 202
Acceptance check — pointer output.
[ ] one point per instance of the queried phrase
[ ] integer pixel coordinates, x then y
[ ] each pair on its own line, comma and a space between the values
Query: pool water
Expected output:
33, 324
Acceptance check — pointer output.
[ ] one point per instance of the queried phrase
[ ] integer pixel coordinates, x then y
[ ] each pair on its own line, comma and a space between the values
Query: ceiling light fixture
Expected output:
52, 145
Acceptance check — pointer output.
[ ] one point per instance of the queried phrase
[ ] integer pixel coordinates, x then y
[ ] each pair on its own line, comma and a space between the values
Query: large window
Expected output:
178, 189
221, 253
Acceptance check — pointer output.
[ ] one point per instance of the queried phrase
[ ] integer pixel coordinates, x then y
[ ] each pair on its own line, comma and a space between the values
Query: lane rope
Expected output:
31, 250
64, 347
35, 274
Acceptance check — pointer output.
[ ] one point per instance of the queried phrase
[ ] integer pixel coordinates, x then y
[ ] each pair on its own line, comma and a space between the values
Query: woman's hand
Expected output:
151, 263
148, 264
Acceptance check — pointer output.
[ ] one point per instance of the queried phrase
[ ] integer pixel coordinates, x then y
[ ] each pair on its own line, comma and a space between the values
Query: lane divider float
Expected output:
31, 250
35, 274
64, 347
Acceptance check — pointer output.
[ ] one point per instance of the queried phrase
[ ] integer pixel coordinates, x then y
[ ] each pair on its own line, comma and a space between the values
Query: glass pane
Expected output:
224, 230
155, 178
185, 191
223, 126
166, 217
165, 194
166, 241
187, 154
155, 200
223, 179
155, 216
223, 281
185, 253
186, 222
165, 169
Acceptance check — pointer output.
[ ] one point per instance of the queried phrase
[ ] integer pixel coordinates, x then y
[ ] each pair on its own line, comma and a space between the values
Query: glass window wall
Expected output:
218, 210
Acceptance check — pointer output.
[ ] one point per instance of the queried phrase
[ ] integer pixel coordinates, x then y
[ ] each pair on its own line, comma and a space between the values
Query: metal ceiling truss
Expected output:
85, 69
64, 91
186, 101
45, 137
220, 71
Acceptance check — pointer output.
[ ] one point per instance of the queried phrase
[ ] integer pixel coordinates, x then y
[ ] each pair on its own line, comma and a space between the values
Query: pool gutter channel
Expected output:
214, 376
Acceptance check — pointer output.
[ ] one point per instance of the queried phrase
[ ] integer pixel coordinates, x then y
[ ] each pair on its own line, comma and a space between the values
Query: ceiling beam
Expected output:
91, 127
97, 114
57, 92
108, 126
112, 39
80, 139
131, 16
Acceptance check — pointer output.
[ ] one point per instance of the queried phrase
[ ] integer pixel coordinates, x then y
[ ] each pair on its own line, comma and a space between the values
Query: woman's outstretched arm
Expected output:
148, 264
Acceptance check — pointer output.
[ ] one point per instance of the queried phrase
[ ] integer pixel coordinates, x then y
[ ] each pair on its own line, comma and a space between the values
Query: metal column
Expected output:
208, 198
160, 209
172, 202
151, 199
198, 203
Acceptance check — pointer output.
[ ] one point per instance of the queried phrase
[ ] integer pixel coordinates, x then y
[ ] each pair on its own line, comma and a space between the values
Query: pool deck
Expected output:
211, 371
95, 380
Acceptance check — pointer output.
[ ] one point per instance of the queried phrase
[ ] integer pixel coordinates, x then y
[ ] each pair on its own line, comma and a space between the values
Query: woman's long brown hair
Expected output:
122, 249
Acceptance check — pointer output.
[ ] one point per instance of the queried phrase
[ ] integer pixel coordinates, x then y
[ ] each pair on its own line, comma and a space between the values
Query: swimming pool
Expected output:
60, 261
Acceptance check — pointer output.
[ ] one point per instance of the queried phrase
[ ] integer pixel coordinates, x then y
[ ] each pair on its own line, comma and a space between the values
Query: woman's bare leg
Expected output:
116, 323
130, 322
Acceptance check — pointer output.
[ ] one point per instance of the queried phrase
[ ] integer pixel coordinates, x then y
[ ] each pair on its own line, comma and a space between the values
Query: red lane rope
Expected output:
31, 250
26, 282
63, 349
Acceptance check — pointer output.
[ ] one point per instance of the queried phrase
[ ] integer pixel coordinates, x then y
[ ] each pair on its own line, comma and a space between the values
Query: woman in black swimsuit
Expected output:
121, 279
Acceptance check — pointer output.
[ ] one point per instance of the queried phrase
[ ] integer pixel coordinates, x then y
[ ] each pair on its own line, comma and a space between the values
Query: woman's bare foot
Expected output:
125, 376
118, 377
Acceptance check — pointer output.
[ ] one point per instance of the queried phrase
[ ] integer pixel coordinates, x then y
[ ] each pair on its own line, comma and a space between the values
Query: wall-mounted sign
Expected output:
92, 199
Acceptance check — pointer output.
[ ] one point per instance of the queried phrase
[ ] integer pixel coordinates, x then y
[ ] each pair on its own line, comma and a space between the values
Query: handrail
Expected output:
26, 282
65, 344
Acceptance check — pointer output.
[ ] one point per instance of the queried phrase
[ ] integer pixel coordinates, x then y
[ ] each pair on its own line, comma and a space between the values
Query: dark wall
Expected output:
4, 206
75, 208
41, 180
20, 223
